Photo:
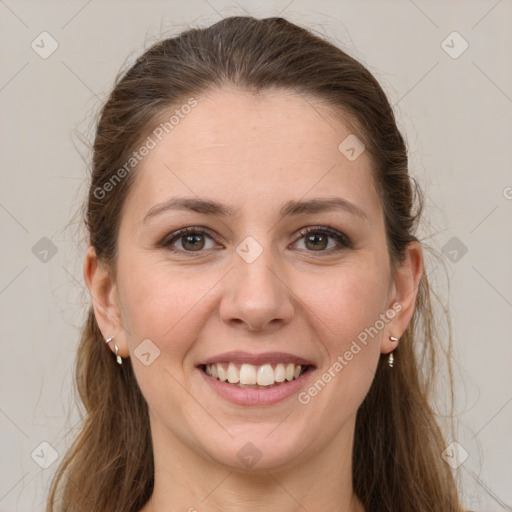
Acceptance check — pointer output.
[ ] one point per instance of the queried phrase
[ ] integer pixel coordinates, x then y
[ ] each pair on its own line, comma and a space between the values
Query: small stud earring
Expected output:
118, 357
391, 358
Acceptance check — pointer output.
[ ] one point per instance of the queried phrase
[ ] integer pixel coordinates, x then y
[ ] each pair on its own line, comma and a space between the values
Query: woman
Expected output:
254, 270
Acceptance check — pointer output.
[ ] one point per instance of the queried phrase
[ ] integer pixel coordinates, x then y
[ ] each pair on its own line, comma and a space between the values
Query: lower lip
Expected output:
244, 396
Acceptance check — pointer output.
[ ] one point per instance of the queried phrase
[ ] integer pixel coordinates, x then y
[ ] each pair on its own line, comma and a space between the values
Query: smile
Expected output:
251, 376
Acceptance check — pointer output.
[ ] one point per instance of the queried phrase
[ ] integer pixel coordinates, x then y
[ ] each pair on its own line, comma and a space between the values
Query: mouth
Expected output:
252, 376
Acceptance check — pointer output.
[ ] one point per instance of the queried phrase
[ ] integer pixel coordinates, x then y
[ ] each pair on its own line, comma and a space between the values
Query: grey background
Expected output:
456, 115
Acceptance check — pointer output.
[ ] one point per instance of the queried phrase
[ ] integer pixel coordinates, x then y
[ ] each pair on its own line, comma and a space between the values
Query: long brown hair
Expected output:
397, 464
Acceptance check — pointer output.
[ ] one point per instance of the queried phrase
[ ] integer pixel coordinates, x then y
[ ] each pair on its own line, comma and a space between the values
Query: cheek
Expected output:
163, 304
347, 305
349, 330
347, 302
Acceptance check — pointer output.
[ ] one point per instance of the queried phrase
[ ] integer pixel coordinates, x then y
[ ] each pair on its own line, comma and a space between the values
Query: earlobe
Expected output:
405, 287
103, 292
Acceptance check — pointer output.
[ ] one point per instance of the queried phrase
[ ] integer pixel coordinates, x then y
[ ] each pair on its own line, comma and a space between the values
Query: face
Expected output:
247, 285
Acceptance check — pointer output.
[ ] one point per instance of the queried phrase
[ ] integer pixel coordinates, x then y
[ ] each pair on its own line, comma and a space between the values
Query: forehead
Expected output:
242, 148
230, 122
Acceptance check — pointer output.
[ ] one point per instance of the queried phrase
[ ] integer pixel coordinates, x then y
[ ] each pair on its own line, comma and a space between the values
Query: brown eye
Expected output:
317, 239
192, 242
187, 240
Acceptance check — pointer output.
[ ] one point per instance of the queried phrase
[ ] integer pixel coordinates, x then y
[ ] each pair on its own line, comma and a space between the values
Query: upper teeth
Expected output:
264, 375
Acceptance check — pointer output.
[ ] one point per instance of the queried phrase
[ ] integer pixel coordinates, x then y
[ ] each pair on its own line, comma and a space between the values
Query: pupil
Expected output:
312, 238
190, 239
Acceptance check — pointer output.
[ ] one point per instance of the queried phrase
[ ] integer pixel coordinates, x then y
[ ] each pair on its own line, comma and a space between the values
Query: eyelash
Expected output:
342, 239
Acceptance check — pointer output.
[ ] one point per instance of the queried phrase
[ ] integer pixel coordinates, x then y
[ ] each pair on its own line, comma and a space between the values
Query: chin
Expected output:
257, 449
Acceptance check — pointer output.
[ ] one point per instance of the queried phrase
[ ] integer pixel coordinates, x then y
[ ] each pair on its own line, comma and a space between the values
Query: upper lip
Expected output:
256, 359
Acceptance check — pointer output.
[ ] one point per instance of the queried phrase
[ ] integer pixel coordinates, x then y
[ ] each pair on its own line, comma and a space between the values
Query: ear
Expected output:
105, 300
403, 291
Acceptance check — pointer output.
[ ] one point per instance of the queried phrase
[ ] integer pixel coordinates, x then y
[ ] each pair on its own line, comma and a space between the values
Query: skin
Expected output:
253, 153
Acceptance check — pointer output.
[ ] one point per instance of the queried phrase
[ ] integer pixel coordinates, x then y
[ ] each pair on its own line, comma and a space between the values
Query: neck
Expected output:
186, 480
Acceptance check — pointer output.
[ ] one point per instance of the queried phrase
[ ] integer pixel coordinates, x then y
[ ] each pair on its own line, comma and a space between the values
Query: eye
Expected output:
189, 240
317, 239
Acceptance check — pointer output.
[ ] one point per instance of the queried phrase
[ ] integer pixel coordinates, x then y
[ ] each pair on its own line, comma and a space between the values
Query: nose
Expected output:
257, 296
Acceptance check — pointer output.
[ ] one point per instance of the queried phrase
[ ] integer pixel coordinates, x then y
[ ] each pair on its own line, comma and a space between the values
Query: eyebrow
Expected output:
291, 208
